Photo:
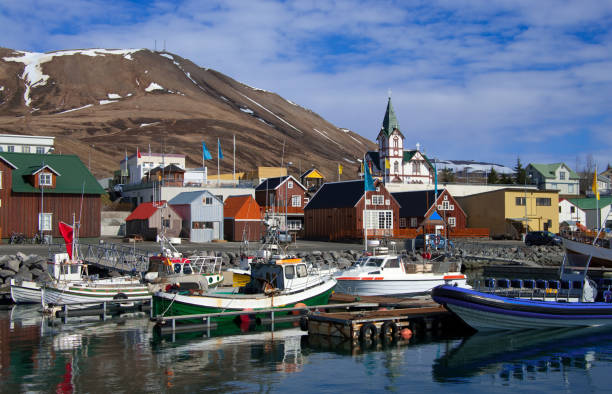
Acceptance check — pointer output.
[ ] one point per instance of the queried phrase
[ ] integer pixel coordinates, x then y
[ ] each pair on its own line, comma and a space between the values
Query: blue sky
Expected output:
473, 79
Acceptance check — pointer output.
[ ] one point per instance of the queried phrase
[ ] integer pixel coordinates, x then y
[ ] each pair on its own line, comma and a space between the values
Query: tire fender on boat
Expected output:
389, 330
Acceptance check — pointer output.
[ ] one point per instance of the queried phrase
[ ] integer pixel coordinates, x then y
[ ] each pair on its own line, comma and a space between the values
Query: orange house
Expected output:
242, 219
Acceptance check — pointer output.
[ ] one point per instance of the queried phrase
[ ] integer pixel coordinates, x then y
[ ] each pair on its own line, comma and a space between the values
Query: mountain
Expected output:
98, 103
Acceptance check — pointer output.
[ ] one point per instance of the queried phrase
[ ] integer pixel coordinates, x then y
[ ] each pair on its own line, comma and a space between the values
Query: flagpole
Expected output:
365, 205
234, 172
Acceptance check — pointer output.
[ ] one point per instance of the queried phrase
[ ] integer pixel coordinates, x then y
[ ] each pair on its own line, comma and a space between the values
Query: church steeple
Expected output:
390, 122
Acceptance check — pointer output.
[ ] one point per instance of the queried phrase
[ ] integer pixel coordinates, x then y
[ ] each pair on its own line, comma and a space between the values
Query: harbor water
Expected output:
123, 355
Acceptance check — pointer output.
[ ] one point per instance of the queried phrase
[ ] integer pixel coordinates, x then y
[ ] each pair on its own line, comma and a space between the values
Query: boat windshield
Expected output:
374, 262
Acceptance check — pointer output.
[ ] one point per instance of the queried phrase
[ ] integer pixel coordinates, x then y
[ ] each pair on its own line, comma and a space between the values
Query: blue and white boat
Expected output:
491, 312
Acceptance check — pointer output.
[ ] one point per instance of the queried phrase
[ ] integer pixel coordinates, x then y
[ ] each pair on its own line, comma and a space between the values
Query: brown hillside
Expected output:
120, 100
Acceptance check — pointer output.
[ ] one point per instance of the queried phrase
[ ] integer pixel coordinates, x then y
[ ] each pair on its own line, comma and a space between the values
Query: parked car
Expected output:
542, 238
433, 241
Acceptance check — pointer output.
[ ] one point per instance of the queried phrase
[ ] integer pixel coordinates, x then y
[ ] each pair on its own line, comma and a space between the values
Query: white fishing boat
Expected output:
393, 275
29, 292
87, 290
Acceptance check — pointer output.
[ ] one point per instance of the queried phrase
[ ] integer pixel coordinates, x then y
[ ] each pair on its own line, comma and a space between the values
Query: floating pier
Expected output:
103, 309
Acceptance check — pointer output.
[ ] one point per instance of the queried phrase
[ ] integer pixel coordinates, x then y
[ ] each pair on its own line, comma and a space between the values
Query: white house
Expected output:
392, 163
570, 212
556, 176
135, 168
25, 143
593, 214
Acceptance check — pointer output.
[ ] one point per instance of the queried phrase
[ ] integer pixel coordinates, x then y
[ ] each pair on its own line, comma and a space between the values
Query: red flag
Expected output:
66, 231
138, 153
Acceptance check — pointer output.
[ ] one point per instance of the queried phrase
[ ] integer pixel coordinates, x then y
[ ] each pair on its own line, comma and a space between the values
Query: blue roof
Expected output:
189, 197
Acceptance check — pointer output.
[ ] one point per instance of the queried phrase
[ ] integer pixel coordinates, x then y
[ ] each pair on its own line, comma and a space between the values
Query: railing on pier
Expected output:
113, 256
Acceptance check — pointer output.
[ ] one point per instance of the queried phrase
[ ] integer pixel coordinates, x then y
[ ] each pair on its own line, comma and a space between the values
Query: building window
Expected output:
395, 167
445, 205
40, 150
413, 222
562, 175
44, 179
201, 225
25, 149
294, 224
44, 221
207, 200
1, 148
295, 201
543, 202
378, 219
290, 184
560, 210
11, 148
378, 199
572, 209
570, 188
452, 221
396, 142
416, 167
520, 200
402, 222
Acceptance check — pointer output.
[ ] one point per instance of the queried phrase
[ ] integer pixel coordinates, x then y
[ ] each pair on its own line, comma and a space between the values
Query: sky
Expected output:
469, 79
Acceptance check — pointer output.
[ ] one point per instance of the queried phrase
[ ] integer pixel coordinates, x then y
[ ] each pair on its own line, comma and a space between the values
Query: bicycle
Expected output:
17, 238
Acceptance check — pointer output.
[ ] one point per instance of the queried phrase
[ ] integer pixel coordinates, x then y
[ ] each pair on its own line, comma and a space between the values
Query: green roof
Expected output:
408, 154
591, 203
548, 170
390, 122
73, 177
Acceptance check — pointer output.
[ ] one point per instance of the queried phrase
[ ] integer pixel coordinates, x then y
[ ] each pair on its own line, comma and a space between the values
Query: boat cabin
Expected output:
164, 266
63, 269
284, 274
390, 264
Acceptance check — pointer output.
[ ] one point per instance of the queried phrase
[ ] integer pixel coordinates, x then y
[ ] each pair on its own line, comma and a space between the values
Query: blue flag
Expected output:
368, 181
220, 154
205, 153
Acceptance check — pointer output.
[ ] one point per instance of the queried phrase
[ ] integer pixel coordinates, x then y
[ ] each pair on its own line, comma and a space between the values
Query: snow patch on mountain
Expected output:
272, 113
75, 109
32, 72
153, 86
324, 134
114, 96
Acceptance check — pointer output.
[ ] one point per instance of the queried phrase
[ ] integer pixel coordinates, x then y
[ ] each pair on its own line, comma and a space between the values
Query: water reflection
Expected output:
522, 355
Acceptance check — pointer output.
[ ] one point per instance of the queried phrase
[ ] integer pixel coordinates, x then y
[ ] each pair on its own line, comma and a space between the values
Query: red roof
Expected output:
144, 211
241, 207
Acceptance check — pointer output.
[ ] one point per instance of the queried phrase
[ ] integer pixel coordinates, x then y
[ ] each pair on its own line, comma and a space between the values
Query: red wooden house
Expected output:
242, 219
37, 191
418, 208
284, 197
338, 209
150, 219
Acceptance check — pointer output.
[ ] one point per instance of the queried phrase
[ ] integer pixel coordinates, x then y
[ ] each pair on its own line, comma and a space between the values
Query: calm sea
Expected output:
124, 356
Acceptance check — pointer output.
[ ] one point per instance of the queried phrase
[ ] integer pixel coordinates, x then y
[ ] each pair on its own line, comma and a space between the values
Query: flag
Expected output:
387, 164
595, 190
67, 233
368, 181
219, 153
138, 155
340, 169
205, 153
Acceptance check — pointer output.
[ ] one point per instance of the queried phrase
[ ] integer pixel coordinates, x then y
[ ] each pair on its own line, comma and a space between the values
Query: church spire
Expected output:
390, 122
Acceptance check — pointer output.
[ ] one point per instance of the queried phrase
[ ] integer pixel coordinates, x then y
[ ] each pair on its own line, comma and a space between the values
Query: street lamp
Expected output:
42, 193
526, 219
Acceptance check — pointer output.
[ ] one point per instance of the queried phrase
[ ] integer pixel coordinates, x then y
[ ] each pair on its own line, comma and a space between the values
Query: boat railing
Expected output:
206, 264
534, 289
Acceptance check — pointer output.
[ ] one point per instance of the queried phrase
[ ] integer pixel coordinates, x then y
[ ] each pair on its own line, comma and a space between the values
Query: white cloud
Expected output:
471, 79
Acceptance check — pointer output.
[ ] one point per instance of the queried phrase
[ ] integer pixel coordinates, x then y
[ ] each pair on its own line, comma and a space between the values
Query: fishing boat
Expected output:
170, 267
282, 281
392, 275
88, 289
584, 244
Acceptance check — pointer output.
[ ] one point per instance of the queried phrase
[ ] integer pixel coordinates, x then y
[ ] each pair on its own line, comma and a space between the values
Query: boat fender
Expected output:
368, 332
607, 296
389, 330
406, 333
120, 296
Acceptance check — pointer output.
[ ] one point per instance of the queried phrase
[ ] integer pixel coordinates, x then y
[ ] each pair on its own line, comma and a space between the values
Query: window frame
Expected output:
296, 200
45, 179
520, 201
45, 221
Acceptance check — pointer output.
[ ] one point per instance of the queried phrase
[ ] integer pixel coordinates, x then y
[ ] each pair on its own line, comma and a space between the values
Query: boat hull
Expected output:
25, 292
489, 312
81, 294
172, 304
378, 286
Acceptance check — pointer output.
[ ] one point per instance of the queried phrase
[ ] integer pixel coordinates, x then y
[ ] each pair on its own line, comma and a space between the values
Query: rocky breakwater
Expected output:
22, 267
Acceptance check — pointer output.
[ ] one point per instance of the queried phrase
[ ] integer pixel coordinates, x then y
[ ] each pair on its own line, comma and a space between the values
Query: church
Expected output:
393, 164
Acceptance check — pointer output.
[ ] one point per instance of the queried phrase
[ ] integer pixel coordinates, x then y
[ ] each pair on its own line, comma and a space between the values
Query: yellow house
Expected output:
506, 211
261, 173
